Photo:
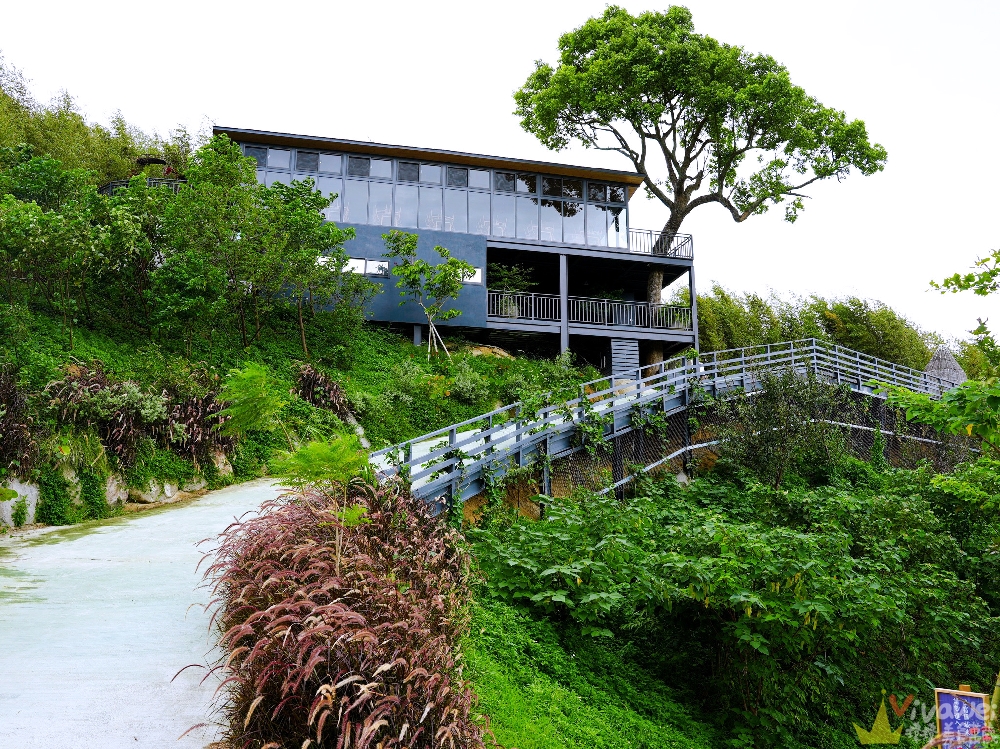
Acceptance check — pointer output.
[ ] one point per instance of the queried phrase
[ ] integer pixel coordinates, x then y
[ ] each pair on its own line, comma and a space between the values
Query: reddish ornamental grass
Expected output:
366, 659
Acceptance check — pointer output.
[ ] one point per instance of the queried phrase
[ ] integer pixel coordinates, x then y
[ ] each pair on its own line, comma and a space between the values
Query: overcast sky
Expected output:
923, 76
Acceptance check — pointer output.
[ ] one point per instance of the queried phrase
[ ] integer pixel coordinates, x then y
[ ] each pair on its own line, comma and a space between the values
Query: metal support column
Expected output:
418, 332
563, 305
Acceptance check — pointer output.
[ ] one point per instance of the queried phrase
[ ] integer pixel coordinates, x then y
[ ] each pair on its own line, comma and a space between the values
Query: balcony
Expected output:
587, 311
649, 242
112, 187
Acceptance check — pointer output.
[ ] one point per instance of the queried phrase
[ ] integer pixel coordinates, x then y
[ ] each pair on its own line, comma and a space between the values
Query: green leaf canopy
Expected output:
703, 122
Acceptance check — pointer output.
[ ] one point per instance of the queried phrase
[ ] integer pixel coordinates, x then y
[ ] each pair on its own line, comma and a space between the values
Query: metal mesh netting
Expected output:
621, 458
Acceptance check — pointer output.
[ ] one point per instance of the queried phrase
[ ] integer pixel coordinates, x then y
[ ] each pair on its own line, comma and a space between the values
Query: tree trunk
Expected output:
302, 330
654, 292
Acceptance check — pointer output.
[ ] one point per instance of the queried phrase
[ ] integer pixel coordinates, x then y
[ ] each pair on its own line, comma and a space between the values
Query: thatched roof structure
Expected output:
943, 365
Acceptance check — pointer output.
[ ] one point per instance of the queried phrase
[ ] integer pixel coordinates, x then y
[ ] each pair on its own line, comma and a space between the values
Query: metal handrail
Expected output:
651, 242
587, 310
521, 305
114, 185
629, 314
439, 459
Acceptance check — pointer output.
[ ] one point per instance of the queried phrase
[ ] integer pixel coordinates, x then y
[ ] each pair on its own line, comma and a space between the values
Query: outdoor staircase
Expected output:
451, 465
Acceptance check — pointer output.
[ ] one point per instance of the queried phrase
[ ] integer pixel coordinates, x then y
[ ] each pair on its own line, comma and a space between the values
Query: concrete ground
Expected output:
96, 619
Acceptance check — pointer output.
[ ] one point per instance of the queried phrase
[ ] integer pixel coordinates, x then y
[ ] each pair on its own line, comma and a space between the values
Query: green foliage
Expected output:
972, 409
253, 400
93, 495
784, 608
55, 506
784, 428
509, 277
732, 128
155, 463
727, 320
545, 687
323, 463
19, 512
432, 287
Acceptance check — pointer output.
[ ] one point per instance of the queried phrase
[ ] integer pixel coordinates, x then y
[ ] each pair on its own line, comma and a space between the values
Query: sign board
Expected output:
962, 718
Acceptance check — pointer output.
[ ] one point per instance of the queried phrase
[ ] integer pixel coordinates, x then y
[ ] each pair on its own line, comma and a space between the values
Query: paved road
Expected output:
96, 619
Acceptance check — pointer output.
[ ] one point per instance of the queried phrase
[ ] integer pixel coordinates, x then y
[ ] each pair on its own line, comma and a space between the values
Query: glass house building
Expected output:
593, 275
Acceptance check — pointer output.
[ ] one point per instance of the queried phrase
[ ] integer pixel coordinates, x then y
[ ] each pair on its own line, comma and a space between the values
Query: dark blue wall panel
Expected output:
385, 306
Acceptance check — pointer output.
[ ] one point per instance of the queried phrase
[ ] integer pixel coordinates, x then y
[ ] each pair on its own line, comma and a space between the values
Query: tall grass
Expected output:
366, 658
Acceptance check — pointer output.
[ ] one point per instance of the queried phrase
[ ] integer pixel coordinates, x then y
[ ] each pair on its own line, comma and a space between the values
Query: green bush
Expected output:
55, 506
787, 606
93, 495
19, 512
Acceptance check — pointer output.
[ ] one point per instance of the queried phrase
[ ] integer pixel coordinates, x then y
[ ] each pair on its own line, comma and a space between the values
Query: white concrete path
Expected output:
96, 619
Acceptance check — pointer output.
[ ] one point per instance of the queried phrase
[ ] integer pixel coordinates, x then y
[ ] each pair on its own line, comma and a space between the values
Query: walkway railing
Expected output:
522, 306
455, 461
588, 311
632, 314
652, 242
112, 187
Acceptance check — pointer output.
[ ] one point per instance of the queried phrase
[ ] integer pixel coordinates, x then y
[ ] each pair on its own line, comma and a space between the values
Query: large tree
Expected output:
703, 122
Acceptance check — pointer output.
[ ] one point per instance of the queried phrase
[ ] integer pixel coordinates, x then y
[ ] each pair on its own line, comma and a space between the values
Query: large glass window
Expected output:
330, 163
273, 177
279, 158
479, 178
328, 185
501, 203
381, 168
503, 181
355, 265
573, 223
479, 213
380, 204
257, 153
358, 166
456, 211
597, 225
406, 206
430, 208
408, 171
476, 277
527, 218
355, 202
430, 173
503, 216
307, 161
377, 267
597, 193
617, 234
552, 186
550, 224
572, 188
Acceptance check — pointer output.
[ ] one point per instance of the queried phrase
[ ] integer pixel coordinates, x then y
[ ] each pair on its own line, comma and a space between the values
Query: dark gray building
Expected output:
567, 225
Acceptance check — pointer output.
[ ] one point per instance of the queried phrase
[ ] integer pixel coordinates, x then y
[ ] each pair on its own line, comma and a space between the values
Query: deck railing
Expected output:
522, 306
628, 314
111, 187
456, 460
588, 311
652, 242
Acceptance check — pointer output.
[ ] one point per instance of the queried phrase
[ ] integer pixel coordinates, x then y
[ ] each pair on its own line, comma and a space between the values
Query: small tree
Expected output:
330, 466
983, 280
432, 287
253, 401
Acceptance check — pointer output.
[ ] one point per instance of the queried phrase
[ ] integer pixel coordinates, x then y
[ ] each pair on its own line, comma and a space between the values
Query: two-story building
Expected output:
566, 227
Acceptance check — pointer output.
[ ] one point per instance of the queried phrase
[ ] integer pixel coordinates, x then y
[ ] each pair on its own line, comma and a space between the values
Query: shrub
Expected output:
18, 450
93, 495
19, 512
121, 411
364, 659
320, 390
193, 427
55, 507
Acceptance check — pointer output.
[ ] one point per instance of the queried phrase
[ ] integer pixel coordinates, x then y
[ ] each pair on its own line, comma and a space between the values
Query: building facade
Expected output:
592, 276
